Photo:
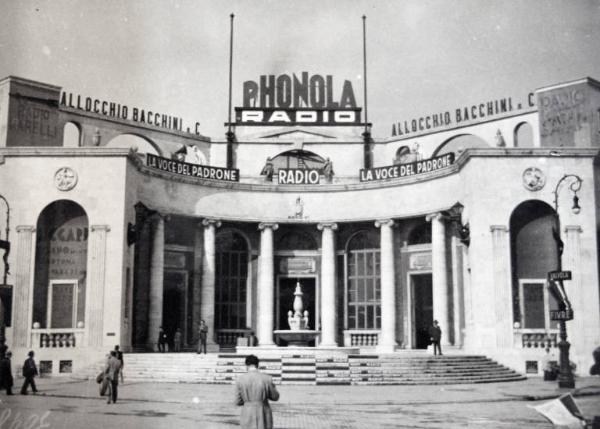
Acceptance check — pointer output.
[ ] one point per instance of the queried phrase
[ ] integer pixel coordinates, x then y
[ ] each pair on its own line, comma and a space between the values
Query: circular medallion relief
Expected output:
534, 179
65, 178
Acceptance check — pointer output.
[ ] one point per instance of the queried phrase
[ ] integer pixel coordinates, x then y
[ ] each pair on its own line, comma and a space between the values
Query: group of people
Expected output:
165, 345
6, 376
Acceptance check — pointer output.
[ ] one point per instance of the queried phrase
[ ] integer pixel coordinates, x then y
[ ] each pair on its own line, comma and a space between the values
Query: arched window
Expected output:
60, 266
297, 159
231, 280
420, 234
403, 155
142, 144
534, 252
72, 135
296, 240
523, 135
364, 281
459, 143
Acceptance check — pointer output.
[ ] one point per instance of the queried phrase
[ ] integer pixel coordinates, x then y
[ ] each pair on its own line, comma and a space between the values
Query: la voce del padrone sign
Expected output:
297, 100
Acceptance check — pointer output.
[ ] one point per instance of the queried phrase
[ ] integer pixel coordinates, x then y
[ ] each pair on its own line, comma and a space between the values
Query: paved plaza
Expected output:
65, 403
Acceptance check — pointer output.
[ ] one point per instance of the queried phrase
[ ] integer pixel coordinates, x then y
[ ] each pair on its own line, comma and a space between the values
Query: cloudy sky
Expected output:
424, 56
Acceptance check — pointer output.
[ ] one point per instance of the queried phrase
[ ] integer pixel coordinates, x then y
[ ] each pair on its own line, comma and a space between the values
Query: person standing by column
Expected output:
253, 391
203, 333
162, 340
29, 372
435, 334
6, 378
120, 358
177, 340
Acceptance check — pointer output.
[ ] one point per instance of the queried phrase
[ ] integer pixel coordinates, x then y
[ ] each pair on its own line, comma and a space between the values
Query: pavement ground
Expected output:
65, 403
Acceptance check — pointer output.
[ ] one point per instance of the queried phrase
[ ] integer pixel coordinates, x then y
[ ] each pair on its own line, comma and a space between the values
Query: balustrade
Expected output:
56, 338
228, 337
361, 338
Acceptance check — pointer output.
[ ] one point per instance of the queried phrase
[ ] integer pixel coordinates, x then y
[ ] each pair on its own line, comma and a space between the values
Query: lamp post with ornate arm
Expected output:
565, 378
4, 245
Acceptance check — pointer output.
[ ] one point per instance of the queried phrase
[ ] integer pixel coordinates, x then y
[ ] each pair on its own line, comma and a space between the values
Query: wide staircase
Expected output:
315, 369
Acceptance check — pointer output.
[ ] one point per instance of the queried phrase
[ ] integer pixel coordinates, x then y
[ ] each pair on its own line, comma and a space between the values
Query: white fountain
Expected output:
299, 333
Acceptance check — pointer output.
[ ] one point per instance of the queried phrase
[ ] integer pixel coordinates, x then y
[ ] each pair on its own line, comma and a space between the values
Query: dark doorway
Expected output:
287, 286
423, 308
175, 303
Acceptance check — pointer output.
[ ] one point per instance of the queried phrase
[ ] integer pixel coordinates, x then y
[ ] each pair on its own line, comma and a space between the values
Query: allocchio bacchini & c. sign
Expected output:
405, 170
297, 100
192, 170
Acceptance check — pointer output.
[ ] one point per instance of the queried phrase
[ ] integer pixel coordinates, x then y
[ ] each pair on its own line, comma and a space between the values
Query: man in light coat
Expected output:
253, 391
111, 373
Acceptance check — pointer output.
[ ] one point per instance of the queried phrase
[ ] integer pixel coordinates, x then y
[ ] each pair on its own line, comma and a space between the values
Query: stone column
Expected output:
502, 286
23, 288
157, 265
266, 290
95, 285
328, 302
387, 340
457, 290
197, 284
207, 307
440, 274
584, 304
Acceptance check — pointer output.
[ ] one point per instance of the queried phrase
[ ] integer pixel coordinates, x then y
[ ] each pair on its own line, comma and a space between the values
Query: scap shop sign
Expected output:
297, 100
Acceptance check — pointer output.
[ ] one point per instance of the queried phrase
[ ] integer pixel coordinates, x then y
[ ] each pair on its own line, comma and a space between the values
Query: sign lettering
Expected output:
559, 275
561, 314
298, 176
192, 170
404, 170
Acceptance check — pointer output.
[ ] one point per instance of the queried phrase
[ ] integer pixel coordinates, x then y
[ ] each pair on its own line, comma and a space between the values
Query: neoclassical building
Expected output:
122, 221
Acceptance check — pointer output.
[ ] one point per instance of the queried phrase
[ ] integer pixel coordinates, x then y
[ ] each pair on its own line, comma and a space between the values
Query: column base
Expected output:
386, 348
327, 346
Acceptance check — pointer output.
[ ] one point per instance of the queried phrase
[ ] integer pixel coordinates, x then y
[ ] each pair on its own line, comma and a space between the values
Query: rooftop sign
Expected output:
192, 170
409, 169
297, 100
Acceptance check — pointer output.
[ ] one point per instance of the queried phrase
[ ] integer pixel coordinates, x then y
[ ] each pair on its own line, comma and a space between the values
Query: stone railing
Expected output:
532, 339
228, 337
359, 338
56, 338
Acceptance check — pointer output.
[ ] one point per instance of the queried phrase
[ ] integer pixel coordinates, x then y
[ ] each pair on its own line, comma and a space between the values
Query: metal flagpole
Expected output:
366, 133
230, 134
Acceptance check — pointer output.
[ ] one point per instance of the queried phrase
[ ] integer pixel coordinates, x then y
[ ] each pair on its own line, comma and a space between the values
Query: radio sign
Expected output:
559, 275
292, 100
298, 176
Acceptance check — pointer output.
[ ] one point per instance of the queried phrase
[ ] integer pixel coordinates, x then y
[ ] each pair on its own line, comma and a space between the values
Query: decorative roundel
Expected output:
534, 179
65, 178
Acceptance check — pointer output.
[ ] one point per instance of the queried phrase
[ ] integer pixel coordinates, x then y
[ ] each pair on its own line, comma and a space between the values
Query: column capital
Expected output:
432, 216
330, 225
263, 225
207, 222
498, 228
99, 228
25, 228
381, 222
573, 228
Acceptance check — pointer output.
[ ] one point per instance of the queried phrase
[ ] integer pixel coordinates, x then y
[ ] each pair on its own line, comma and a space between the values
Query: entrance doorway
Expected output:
285, 300
175, 304
422, 292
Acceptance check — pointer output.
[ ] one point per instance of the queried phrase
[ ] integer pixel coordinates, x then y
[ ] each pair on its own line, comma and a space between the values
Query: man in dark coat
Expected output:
202, 333
162, 340
120, 358
29, 372
6, 378
253, 391
435, 335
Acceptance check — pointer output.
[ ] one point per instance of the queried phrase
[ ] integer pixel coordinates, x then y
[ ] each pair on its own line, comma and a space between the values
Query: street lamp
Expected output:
565, 377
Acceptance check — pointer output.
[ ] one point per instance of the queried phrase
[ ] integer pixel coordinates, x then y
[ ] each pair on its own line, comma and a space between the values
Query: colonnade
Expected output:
266, 281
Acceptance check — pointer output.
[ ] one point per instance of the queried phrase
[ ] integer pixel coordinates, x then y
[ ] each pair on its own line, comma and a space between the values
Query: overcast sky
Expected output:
423, 56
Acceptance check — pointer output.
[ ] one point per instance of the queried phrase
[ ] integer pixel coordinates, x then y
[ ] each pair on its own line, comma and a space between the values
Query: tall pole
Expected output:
565, 377
366, 133
230, 134
4, 244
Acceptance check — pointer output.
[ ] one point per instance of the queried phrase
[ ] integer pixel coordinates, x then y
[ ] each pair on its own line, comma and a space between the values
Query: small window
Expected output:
45, 367
65, 366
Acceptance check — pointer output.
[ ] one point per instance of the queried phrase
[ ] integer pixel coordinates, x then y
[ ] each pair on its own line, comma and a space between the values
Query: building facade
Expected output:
120, 224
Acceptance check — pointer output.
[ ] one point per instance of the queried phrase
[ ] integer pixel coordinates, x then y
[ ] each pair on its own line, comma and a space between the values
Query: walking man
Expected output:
435, 335
111, 373
253, 391
177, 340
203, 333
29, 372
